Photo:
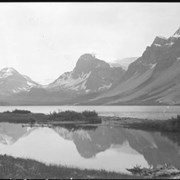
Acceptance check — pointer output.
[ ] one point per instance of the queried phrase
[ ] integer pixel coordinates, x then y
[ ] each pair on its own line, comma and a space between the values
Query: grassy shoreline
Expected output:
20, 168
89, 117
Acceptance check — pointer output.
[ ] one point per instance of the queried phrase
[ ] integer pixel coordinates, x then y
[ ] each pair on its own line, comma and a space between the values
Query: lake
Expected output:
104, 147
144, 112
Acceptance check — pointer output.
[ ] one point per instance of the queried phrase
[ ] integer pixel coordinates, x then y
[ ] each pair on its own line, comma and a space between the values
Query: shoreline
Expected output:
78, 119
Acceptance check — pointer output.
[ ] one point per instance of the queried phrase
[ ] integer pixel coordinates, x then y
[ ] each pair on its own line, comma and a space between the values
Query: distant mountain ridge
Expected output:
124, 63
152, 79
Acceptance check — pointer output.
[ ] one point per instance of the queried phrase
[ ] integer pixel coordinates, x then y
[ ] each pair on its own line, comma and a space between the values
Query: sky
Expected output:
44, 40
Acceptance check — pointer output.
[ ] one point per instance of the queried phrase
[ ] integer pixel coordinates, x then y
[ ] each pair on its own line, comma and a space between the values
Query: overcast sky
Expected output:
43, 40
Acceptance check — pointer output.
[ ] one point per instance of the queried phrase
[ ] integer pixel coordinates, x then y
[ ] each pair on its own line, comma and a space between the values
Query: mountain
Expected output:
124, 63
89, 75
153, 79
11, 81
88, 79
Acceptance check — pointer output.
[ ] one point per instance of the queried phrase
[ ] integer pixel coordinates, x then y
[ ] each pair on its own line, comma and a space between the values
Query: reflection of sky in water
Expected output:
45, 145
109, 148
150, 112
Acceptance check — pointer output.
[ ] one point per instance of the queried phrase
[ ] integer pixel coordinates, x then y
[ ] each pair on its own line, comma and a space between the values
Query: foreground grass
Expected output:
11, 167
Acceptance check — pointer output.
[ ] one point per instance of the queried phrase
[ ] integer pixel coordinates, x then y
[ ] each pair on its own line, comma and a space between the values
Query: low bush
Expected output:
18, 111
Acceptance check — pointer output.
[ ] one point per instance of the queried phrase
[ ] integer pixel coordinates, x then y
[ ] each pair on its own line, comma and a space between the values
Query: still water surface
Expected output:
103, 147
147, 112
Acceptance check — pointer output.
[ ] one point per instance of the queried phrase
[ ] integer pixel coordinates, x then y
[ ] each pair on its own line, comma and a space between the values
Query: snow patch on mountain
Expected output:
30, 84
157, 44
153, 65
105, 86
67, 81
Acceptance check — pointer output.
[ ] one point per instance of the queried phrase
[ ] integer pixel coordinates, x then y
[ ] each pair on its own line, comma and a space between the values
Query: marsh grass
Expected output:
170, 125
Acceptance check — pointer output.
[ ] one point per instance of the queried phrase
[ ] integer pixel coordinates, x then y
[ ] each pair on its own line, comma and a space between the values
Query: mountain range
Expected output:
151, 79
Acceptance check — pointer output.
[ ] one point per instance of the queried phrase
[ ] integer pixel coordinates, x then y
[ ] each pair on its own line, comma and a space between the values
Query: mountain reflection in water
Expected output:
102, 147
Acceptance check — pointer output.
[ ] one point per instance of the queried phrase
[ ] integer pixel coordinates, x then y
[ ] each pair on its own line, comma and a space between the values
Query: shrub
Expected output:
21, 111
90, 116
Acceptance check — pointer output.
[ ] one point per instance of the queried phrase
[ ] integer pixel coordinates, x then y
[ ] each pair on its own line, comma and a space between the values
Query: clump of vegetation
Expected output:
22, 116
18, 111
18, 168
171, 125
87, 116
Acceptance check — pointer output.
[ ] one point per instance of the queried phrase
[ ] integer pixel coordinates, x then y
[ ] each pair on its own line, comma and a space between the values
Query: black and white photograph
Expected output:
89, 90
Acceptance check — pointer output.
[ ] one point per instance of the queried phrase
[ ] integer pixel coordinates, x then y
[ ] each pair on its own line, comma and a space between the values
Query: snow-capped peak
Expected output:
5, 72
11, 81
8, 70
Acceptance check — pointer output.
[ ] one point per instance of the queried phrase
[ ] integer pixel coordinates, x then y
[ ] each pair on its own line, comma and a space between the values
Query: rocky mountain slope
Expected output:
153, 79
89, 75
